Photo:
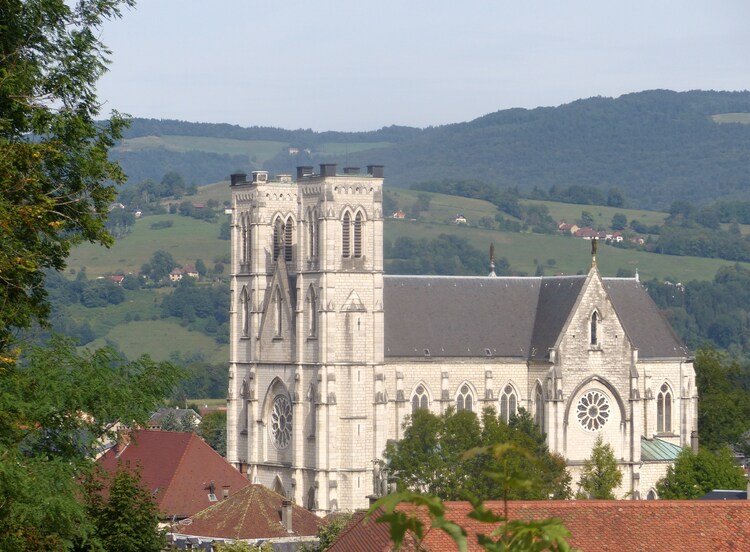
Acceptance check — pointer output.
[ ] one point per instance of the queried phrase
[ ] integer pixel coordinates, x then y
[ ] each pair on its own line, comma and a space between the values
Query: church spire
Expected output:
492, 260
594, 244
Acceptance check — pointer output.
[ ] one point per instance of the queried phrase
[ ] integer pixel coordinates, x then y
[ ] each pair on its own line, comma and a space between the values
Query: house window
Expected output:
288, 239
508, 403
664, 410
358, 236
419, 399
464, 400
345, 237
594, 328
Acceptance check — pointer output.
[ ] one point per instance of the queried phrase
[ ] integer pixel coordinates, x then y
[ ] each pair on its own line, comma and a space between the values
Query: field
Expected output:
743, 118
190, 239
257, 151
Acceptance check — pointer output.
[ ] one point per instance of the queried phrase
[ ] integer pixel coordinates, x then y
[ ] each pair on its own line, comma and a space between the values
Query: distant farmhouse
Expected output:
328, 355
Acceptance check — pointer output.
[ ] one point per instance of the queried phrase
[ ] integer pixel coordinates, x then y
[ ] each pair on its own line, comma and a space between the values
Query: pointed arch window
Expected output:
664, 410
419, 399
345, 236
244, 230
248, 246
312, 234
594, 328
245, 306
278, 238
312, 329
539, 406
288, 239
358, 236
279, 313
464, 400
508, 403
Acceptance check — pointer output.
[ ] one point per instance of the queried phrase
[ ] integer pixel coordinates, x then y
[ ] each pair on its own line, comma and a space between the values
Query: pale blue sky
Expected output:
362, 64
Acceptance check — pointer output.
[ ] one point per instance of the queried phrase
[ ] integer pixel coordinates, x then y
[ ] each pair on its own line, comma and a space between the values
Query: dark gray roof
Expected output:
557, 296
460, 316
644, 323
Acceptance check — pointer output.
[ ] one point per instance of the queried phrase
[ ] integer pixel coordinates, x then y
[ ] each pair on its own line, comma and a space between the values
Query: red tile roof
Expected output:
252, 513
178, 468
595, 525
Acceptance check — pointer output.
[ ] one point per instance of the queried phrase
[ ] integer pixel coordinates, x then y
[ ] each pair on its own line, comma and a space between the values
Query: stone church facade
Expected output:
329, 355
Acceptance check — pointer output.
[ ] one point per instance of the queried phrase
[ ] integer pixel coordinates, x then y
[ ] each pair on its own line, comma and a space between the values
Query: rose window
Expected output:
593, 410
281, 422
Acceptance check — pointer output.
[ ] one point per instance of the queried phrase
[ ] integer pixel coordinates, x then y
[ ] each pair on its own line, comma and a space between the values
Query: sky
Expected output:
365, 64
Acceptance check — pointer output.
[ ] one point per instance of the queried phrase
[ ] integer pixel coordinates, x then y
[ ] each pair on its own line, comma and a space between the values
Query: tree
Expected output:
54, 170
600, 476
213, 430
724, 404
694, 475
161, 264
430, 457
127, 519
619, 221
504, 534
58, 407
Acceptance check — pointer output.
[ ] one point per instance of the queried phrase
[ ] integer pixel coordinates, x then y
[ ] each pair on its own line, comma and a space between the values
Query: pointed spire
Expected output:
594, 244
492, 260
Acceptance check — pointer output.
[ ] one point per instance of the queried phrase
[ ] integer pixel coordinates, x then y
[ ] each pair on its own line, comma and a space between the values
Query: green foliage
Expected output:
716, 311
694, 475
723, 401
329, 532
619, 221
430, 457
56, 406
406, 512
127, 520
160, 265
53, 168
447, 254
213, 430
601, 475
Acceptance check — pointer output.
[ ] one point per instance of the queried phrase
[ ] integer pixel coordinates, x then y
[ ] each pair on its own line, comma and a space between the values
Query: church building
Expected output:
328, 355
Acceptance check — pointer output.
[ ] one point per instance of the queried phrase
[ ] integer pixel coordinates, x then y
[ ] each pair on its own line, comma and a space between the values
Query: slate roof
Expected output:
513, 317
595, 525
177, 467
252, 513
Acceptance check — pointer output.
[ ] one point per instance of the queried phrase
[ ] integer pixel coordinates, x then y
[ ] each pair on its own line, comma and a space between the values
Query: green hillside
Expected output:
656, 146
137, 326
189, 239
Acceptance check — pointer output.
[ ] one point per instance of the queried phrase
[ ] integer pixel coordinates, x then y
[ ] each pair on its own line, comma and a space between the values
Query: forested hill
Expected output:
655, 146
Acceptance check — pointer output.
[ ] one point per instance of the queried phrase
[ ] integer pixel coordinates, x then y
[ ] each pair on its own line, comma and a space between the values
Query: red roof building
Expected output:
253, 513
595, 525
181, 470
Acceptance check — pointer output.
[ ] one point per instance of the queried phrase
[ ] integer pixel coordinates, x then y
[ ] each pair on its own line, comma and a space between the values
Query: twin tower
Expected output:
306, 345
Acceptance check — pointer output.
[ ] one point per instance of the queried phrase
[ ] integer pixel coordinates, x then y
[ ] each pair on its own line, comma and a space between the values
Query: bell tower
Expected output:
306, 349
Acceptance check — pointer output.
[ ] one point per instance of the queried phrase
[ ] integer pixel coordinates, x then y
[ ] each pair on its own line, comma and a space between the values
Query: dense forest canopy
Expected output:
653, 146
